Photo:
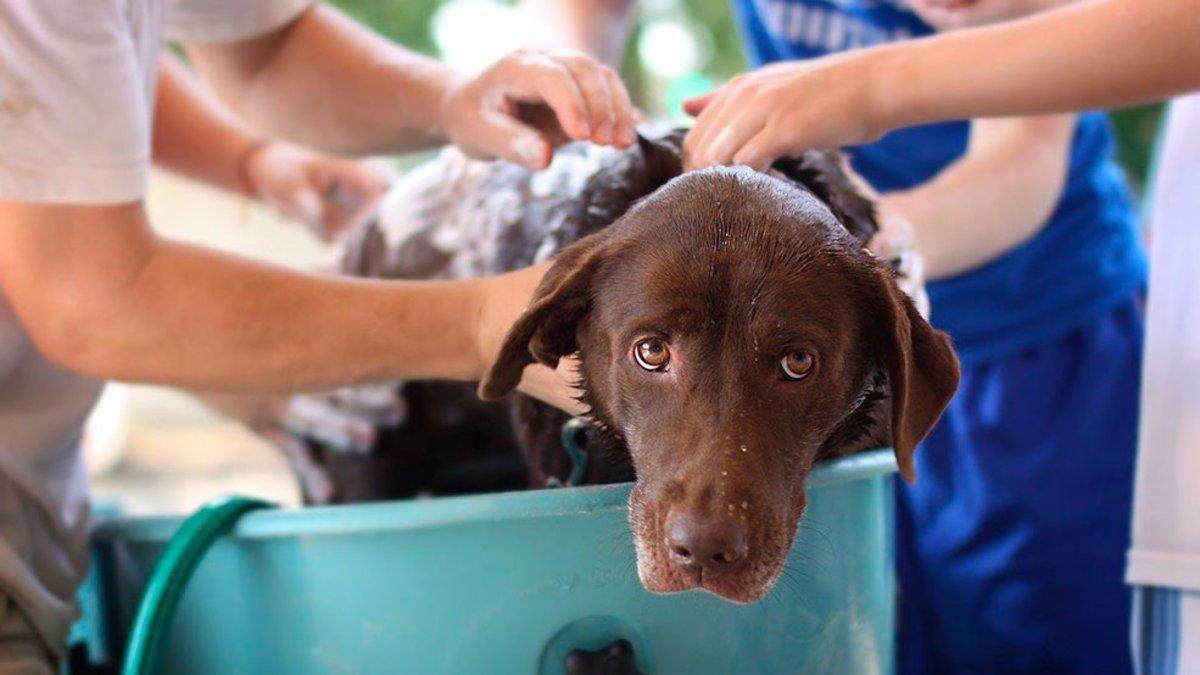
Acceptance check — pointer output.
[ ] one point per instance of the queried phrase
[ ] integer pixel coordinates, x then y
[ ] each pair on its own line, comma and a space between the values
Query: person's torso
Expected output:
1166, 523
43, 486
1084, 261
77, 89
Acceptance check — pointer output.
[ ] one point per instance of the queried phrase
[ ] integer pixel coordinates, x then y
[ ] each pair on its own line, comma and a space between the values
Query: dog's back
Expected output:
457, 218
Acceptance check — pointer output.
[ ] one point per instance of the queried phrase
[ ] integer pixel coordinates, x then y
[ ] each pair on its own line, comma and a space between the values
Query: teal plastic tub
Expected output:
506, 583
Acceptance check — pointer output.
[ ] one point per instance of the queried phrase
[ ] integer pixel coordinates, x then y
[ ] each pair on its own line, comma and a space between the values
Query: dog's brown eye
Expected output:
796, 365
652, 354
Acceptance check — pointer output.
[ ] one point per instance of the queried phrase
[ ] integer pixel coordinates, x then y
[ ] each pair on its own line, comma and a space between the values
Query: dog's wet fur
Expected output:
732, 272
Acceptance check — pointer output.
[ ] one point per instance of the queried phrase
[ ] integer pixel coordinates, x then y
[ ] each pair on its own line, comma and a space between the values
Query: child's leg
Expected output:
1017, 527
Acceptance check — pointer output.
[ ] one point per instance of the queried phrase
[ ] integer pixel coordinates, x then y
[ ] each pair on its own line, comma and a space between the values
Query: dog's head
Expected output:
729, 328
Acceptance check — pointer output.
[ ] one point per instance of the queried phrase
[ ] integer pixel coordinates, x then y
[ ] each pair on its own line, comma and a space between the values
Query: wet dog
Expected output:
731, 331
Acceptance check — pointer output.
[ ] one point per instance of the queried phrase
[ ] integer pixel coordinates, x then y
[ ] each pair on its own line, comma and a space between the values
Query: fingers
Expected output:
695, 106
723, 129
349, 191
759, 152
509, 139
608, 110
537, 78
755, 119
359, 178
521, 107
588, 98
628, 117
601, 108
302, 203
698, 138
322, 192
728, 141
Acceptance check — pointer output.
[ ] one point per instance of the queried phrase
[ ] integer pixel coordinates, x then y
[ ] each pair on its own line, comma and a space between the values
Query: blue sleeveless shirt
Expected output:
1086, 260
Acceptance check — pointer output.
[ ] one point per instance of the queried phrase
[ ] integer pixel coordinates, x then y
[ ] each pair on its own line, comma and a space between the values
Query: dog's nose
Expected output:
711, 543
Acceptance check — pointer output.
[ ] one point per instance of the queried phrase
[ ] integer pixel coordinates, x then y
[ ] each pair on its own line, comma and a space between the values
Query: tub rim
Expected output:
414, 514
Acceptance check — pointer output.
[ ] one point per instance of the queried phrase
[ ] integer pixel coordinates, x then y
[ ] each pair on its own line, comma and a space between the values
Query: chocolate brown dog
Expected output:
731, 330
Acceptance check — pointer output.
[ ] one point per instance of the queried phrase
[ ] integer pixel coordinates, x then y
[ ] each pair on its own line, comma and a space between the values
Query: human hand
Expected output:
947, 15
531, 101
785, 108
501, 300
326, 193
896, 244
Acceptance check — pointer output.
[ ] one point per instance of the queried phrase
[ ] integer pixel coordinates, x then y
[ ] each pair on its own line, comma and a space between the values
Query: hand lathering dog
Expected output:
731, 330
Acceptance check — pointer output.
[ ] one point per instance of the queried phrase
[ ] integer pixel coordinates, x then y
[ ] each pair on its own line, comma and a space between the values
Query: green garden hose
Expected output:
152, 626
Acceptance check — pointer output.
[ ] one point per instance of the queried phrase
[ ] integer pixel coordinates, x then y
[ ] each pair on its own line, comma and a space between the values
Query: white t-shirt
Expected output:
1166, 520
77, 82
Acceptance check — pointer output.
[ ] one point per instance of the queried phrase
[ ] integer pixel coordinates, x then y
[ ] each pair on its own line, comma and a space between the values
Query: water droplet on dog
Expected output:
745, 504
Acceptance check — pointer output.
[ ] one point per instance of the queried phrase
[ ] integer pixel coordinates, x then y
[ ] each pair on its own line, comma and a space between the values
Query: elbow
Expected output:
72, 337
1050, 139
1049, 165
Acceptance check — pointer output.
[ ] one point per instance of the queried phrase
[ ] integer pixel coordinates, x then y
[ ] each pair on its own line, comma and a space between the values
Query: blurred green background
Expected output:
679, 48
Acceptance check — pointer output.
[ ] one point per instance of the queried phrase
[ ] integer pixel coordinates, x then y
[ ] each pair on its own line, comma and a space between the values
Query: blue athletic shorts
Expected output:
1011, 545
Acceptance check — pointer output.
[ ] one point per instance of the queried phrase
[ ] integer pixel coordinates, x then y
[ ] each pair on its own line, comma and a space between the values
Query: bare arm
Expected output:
596, 27
1097, 54
996, 197
327, 82
193, 135
1093, 54
99, 293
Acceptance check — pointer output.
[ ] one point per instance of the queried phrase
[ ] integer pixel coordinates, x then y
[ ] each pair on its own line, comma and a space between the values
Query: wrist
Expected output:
485, 337
502, 299
445, 92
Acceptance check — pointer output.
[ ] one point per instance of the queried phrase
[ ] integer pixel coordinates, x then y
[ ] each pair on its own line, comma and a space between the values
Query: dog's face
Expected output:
728, 327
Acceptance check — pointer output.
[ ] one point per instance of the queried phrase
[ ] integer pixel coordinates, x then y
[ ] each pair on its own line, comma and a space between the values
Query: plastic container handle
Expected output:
164, 590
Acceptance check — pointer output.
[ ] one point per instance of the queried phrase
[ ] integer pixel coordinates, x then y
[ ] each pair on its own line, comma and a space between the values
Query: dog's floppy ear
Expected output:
546, 331
828, 176
922, 370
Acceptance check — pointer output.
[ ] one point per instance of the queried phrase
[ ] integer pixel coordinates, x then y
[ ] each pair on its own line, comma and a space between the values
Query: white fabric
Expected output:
77, 80
1166, 522
77, 87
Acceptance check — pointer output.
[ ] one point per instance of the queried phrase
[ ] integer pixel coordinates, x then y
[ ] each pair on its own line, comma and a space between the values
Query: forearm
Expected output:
327, 82
999, 195
1098, 54
193, 135
200, 319
596, 27
131, 306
